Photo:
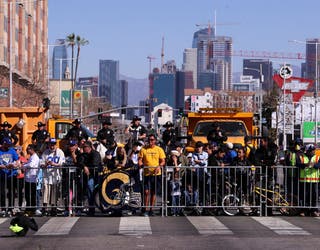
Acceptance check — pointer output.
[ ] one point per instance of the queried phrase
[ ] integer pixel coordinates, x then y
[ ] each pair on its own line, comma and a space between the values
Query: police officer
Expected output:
106, 134
6, 133
40, 137
137, 133
216, 135
308, 164
77, 132
169, 136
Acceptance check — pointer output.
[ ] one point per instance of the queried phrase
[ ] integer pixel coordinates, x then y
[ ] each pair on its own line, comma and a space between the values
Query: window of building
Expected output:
5, 53
5, 24
17, 34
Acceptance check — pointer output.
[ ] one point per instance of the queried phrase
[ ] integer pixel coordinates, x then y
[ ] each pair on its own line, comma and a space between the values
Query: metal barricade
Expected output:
187, 190
288, 194
213, 190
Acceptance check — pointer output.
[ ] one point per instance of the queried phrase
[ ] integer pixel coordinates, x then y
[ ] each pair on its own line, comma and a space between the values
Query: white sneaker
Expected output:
38, 213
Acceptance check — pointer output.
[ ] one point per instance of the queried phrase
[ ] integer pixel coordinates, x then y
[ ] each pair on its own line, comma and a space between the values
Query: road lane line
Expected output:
280, 226
209, 225
2, 220
135, 226
57, 226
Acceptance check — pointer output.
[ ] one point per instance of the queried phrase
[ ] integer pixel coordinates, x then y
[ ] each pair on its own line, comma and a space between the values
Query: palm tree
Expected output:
79, 42
70, 40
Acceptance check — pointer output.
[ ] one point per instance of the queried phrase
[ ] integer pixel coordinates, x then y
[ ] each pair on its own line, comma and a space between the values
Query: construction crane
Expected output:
150, 58
269, 54
162, 54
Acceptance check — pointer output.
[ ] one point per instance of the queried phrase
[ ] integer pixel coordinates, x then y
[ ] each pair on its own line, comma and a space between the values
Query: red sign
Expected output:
294, 85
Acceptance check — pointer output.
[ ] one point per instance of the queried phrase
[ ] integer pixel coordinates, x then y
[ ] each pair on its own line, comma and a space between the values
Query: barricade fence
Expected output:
211, 190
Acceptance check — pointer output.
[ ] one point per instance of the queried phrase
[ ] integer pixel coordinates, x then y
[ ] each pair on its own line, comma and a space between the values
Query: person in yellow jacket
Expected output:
309, 178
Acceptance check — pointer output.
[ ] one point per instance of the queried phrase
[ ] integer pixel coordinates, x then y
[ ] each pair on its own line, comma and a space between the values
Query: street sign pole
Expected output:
285, 73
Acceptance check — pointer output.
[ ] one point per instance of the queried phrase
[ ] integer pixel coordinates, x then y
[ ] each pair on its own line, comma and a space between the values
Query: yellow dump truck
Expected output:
24, 121
235, 124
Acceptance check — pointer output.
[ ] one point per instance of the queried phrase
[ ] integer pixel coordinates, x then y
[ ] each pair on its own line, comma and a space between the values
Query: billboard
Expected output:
308, 132
293, 85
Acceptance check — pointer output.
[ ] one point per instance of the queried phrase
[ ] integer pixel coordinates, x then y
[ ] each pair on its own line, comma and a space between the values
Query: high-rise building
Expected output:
59, 59
124, 92
162, 89
109, 83
312, 59
24, 50
184, 80
190, 63
260, 69
169, 67
214, 55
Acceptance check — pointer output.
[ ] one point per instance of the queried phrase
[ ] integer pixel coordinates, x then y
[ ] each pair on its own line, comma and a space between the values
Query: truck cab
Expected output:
235, 124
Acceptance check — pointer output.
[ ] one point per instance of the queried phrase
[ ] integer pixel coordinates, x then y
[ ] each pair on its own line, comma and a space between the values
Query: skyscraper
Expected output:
312, 59
214, 55
183, 81
59, 56
260, 69
190, 63
162, 89
109, 83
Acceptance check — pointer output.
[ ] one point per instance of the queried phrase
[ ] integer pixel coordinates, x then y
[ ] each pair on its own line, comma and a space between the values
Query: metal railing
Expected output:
211, 190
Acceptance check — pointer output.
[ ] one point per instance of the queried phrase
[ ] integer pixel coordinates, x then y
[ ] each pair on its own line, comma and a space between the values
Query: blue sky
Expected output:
129, 31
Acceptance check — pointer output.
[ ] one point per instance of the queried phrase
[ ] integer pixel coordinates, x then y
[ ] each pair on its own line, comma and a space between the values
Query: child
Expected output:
176, 193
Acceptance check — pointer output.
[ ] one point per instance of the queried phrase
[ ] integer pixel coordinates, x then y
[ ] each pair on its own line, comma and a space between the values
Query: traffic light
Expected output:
99, 116
181, 113
46, 103
159, 112
147, 108
123, 109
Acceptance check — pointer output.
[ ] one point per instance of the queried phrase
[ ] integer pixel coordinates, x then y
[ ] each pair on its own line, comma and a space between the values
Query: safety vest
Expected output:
309, 174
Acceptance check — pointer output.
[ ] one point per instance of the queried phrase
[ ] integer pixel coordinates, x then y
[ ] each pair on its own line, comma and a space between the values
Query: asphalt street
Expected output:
190, 232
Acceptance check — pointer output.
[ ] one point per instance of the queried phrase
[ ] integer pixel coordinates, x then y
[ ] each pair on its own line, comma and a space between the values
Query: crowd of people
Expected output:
36, 176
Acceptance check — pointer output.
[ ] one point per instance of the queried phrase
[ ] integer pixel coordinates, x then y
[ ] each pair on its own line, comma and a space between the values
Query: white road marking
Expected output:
135, 226
57, 226
280, 226
208, 225
2, 220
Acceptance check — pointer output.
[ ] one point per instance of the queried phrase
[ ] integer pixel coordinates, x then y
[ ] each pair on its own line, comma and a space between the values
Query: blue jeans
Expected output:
38, 198
192, 198
91, 195
176, 202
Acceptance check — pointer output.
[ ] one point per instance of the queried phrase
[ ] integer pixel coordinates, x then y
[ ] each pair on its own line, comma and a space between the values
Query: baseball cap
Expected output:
199, 144
6, 140
73, 142
52, 141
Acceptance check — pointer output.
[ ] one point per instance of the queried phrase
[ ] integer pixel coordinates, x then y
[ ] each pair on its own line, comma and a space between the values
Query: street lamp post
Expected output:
260, 98
81, 100
316, 87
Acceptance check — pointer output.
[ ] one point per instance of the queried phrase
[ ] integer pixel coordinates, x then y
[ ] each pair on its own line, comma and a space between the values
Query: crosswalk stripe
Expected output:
57, 226
208, 225
135, 226
2, 220
280, 226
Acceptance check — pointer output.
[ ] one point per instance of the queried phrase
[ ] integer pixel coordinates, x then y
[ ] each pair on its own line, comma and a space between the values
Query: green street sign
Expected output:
65, 98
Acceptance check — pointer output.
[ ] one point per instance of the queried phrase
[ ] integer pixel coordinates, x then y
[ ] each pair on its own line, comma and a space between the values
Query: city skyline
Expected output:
132, 33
